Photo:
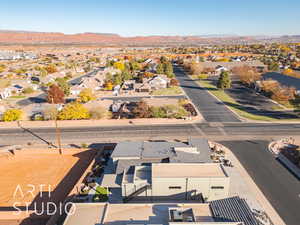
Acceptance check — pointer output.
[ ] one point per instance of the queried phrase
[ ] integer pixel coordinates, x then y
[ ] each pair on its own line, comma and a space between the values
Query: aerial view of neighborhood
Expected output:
150, 113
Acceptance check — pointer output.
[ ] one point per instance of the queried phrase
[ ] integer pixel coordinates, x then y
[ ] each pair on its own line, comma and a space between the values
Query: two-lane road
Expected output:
97, 133
211, 109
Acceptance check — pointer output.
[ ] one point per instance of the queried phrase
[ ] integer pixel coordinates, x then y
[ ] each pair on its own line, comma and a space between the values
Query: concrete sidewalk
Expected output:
103, 122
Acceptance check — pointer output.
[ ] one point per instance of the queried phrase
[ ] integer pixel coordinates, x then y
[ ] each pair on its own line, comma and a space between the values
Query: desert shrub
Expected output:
141, 110
37, 117
158, 112
28, 90
174, 82
12, 115
98, 113
183, 101
190, 108
50, 113
203, 76
175, 111
84, 145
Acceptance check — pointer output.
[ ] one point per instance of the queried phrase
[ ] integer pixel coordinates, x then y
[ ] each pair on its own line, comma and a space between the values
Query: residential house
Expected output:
134, 167
5, 93
154, 83
229, 211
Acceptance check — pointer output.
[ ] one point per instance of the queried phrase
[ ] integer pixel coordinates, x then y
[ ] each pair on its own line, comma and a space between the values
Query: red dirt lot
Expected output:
27, 170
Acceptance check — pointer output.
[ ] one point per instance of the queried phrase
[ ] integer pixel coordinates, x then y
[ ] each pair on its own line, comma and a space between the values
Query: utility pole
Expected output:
57, 131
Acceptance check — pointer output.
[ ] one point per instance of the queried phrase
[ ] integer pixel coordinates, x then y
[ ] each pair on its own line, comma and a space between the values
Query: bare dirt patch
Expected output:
27, 169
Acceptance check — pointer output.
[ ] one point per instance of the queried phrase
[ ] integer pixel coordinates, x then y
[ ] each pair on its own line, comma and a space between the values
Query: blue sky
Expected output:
154, 17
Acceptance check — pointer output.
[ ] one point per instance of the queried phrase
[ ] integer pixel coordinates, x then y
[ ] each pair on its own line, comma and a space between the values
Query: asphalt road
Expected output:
280, 187
116, 133
211, 109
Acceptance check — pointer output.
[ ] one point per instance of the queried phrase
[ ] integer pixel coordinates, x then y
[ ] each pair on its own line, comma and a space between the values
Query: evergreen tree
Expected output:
160, 68
224, 81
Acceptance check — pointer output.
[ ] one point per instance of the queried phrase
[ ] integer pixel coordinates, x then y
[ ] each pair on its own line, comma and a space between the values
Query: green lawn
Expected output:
100, 194
101, 190
168, 91
232, 104
18, 96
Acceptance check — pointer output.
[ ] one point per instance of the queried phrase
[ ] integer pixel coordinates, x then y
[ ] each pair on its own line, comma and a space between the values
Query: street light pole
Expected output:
57, 132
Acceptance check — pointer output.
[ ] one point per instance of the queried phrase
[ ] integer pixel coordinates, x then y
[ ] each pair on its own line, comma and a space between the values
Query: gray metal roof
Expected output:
127, 149
202, 145
125, 164
232, 209
161, 150
138, 153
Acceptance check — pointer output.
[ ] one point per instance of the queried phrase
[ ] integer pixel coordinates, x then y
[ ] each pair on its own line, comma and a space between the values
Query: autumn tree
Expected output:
51, 69
119, 65
284, 94
73, 111
269, 86
273, 66
55, 95
134, 65
246, 74
86, 95
108, 85
224, 81
174, 82
163, 59
160, 68
12, 115
117, 79
126, 75
63, 85
196, 68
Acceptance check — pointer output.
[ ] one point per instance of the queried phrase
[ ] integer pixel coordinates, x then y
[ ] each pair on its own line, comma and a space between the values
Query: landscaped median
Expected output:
234, 105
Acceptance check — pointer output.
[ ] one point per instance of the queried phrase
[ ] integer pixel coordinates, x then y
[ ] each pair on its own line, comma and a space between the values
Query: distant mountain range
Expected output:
108, 39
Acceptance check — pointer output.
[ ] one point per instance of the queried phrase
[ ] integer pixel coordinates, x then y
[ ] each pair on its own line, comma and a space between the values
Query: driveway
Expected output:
280, 187
211, 109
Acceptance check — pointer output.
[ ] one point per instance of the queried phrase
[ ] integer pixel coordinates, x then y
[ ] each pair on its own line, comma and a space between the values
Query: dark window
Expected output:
217, 187
174, 187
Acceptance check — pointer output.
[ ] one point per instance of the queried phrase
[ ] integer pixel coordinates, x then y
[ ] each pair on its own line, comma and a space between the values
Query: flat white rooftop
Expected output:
178, 170
122, 214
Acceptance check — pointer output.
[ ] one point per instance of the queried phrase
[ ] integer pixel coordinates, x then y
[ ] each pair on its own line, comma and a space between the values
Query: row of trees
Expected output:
56, 95
165, 67
143, 110
277, 92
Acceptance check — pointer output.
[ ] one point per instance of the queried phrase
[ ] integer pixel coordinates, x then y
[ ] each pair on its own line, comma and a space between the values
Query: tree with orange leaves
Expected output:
55, 95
